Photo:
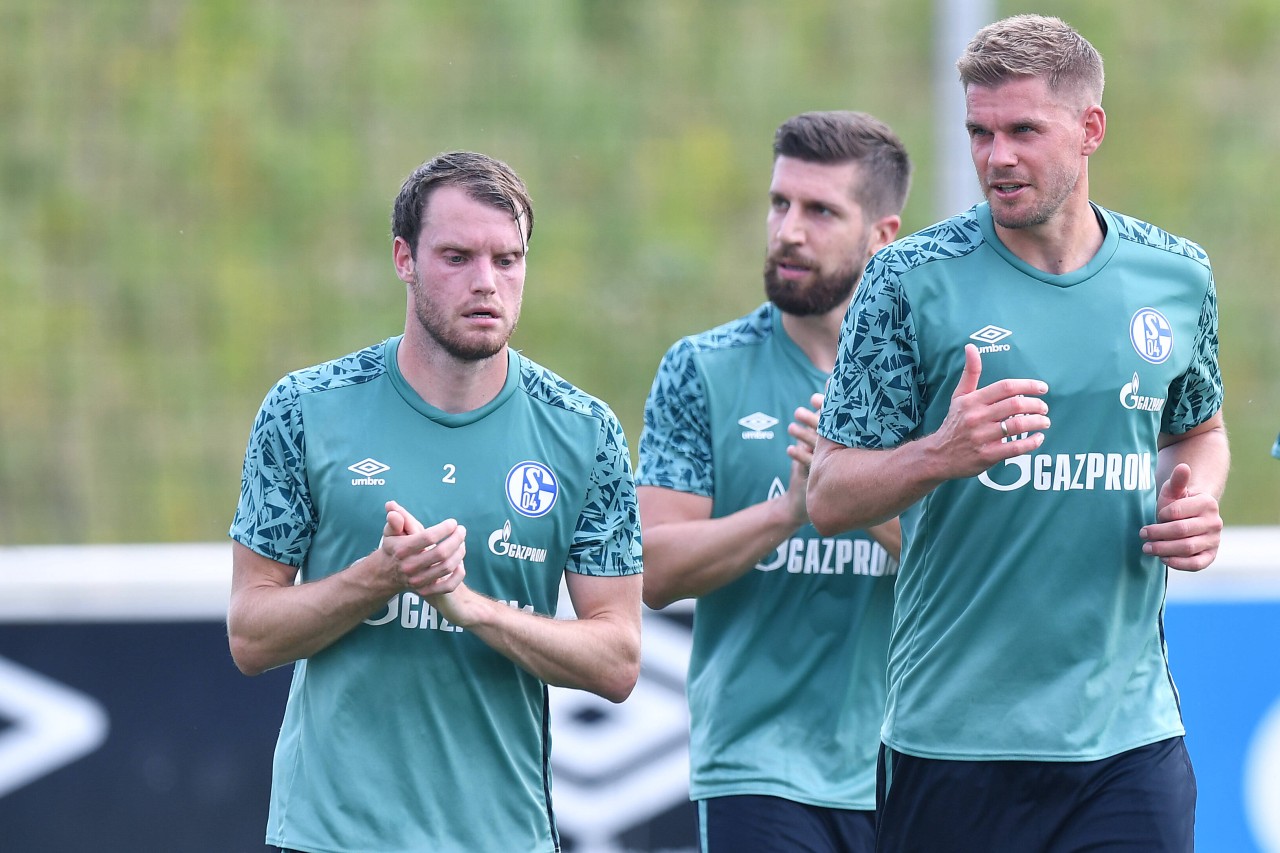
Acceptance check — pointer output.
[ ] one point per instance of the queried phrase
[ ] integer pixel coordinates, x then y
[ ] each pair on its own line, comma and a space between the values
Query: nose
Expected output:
1002, 151
485, 279
788, 230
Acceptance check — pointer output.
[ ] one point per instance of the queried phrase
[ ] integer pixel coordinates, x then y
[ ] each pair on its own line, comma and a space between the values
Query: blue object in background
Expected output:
1225, 657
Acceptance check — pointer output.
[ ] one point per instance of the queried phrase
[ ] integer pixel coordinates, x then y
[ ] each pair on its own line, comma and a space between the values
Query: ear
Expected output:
1095, 127
402, 256
883, 232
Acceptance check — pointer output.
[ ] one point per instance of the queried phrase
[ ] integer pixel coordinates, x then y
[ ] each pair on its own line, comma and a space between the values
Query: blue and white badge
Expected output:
1152, 335
532, 489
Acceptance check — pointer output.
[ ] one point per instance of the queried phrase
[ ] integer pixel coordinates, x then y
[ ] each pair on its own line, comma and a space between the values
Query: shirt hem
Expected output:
1030, 755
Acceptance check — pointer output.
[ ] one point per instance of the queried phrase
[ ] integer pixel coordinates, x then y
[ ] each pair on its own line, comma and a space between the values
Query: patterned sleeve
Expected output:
275, 517
675, 444
874, 399
1196, 395
607, 540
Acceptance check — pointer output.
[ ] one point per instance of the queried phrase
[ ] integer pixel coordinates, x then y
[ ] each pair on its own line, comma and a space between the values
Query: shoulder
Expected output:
749, 330
549, 388
1134, 232
351, 369
955, 237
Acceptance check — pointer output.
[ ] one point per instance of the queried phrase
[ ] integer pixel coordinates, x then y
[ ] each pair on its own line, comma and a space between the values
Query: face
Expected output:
466, 278
1029, 148
819, 240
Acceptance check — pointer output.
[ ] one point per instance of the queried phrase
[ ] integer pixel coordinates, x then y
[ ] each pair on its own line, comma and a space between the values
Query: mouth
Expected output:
1006, 189
791, 268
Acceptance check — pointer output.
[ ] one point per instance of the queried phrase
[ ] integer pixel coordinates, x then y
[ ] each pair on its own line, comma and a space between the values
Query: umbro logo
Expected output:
990, 336
368, 468
757, 426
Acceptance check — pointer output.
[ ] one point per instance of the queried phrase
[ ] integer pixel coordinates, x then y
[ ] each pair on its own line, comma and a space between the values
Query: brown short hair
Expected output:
485, 180
1034, 46
842, 136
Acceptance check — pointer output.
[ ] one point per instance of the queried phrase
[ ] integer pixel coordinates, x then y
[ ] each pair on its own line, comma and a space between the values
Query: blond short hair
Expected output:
1034, 46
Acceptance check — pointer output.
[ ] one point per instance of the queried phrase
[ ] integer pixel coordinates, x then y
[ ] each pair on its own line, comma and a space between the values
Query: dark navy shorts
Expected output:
755, 824
1140, 801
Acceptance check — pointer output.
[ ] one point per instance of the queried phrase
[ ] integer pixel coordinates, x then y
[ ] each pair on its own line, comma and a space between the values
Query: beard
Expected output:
462, 347
1057, 189
822, 293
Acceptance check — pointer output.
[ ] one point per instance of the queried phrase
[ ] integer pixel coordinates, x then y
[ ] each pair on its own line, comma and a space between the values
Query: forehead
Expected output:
831, 184
453, 218
1019, 100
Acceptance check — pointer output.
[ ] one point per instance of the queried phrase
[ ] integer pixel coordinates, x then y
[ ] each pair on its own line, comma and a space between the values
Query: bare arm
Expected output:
599, 651
687, 553
271, 621
853, 487
1192, 471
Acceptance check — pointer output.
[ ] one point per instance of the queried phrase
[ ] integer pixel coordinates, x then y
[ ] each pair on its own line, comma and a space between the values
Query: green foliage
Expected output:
194, 199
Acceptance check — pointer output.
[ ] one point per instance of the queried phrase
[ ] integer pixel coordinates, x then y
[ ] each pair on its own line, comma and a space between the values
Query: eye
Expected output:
507, 262
779, 204
455, 259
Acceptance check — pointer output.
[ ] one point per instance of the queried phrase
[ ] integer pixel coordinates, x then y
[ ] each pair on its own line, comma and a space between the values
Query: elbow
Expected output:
245, 661
621, 681
654, 597
822, 514
825, 526
248, 656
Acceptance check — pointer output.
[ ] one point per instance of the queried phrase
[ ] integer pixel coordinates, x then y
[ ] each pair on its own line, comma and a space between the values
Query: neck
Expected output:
817, 335
1064, 244
451, 384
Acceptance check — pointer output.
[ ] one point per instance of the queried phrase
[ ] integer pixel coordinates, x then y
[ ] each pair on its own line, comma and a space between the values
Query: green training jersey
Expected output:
786, 678
409, 733
1028, 622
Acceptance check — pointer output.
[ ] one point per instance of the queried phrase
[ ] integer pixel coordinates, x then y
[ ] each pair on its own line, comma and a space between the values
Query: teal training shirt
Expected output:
408, 733
786, 678
1029, 624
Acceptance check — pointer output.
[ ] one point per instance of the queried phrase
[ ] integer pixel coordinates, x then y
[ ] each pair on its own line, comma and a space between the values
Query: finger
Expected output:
807, 418
1176, 486
394, 525
816, 402
802, 453
436, 567
408, 524
972, 372
445, 584
1021, 425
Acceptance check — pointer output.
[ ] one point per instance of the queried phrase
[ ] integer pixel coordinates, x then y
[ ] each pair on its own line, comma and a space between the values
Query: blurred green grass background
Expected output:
194, 200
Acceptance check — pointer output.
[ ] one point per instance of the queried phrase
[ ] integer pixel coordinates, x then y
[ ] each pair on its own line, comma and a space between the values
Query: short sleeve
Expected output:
1197, 394
607, 538
675, 444
874, 399
275, 516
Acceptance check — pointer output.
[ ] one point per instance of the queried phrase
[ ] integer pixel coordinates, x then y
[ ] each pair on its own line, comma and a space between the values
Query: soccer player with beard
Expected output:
786, 681
417, 716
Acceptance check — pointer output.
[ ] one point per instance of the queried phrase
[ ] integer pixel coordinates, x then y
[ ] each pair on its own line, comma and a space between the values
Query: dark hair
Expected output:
485, 180
1034, 46
842, 136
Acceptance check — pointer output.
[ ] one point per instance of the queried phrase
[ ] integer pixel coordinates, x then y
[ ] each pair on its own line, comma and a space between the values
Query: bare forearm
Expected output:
599, 654
1208, 454
852, 488
687, 559
269, 626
